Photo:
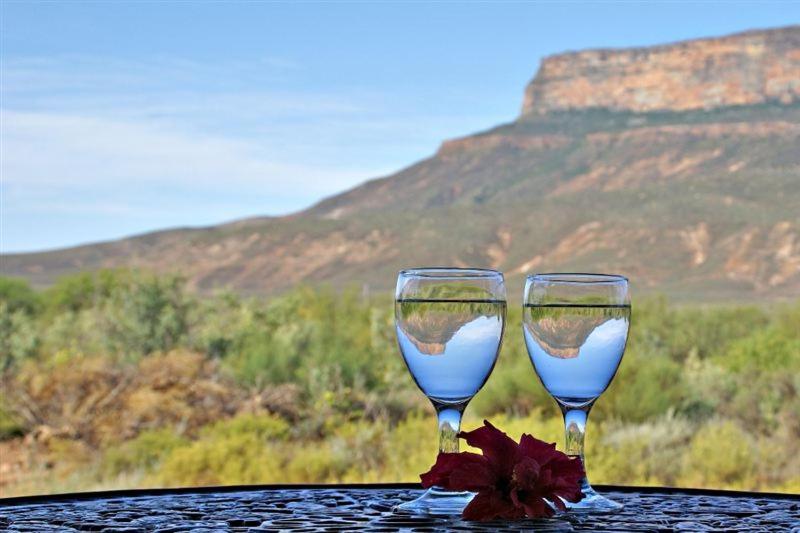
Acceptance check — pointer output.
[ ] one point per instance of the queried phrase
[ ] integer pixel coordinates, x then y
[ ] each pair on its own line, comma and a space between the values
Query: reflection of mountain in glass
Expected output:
431, 325
562, 331
576, 349
450, 347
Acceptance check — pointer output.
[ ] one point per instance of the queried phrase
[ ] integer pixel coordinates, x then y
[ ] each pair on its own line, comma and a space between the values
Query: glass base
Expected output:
593, 502
438, 502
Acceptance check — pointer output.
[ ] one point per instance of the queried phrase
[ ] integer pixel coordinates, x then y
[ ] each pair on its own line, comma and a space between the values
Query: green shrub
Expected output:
234, 459
513, 388
144, 452
10, 424
678, 332
84, 290
764, 351
264, 427
649, 453
148, 314
721, 454
646, 387
216, 321
355, 453
316, 463
763, 368
19, 338
411, 447
17, 295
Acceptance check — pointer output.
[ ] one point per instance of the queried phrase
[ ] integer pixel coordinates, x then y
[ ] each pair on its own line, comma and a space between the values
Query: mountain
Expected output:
678, 165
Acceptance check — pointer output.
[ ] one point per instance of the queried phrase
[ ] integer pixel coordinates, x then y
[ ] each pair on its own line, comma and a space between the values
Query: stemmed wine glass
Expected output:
576, 328
449, 324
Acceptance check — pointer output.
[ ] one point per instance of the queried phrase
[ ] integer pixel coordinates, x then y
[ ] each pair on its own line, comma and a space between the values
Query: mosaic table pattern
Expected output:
355, 508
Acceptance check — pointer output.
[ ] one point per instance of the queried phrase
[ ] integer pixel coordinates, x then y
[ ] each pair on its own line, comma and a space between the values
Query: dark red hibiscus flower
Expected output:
512, 480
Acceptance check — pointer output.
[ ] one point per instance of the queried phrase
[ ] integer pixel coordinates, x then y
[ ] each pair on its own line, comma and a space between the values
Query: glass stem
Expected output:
575, 430
449, 418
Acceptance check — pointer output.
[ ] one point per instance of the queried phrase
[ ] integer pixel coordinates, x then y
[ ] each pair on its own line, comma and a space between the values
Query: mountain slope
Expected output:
691, 187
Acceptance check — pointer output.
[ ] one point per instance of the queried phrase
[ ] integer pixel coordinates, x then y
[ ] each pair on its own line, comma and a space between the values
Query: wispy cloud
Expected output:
89, 73
45, 153
179, 142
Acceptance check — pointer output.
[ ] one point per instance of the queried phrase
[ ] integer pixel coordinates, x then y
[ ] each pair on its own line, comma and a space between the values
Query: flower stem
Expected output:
449, 417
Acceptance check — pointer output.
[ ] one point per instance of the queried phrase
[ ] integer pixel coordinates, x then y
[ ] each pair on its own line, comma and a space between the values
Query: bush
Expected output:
657, 328
264, 427
178, 389
764, 368
237, 459
148, 314
75, 398
316, 463
99, 402
10, 424
144, 452
246, 449
649, 453
17, 295
411, 447
19, 339
646, 387
84, 290
513, 388
721, 454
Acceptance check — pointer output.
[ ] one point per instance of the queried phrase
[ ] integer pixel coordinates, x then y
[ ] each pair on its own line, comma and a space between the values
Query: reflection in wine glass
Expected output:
449, 325
575, 328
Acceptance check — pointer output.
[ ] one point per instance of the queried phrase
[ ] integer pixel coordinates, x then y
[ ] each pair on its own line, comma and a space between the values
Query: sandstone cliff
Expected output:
743, 69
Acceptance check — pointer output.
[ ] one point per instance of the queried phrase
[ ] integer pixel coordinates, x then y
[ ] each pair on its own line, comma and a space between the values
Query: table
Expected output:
369, 507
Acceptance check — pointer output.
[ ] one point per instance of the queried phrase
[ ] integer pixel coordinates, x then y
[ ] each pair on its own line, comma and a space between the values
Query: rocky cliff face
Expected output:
742, 69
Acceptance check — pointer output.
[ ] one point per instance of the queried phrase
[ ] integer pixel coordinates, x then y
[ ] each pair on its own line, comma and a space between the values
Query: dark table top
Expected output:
369, 507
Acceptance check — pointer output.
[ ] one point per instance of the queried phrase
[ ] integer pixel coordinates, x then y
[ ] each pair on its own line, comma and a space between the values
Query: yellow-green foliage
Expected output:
246, 449
650, 453
145, 451
123, 378
706, 465
222, 461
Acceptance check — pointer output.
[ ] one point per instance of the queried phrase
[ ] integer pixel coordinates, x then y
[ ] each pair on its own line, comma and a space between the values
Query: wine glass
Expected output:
576, 327
449, 324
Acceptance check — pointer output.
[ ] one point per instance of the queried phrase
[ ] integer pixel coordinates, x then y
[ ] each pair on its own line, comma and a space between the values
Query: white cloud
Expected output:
96, 74
101, 147
45, 150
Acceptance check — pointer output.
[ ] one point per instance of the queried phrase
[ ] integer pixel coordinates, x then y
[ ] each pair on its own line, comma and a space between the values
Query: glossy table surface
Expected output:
369, 507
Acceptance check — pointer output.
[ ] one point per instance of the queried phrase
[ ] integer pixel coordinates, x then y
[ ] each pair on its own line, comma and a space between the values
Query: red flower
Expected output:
512, 480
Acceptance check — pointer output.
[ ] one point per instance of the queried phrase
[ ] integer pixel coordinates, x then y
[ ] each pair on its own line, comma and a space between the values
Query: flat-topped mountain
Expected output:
744, 69
678, 165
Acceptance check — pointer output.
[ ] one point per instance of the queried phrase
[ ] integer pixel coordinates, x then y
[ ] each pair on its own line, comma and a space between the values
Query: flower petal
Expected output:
490, 504
499, 448
566, 478
472, 477
536, 507
538, 449
459, 471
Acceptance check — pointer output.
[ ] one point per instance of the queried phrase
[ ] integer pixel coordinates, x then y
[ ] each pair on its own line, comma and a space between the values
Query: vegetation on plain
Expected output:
122, 378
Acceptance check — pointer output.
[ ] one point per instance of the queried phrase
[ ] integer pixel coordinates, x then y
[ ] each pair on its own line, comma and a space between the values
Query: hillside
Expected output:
678, 165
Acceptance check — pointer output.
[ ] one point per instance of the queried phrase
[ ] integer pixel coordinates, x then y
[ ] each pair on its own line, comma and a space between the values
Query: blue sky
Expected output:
120, 118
